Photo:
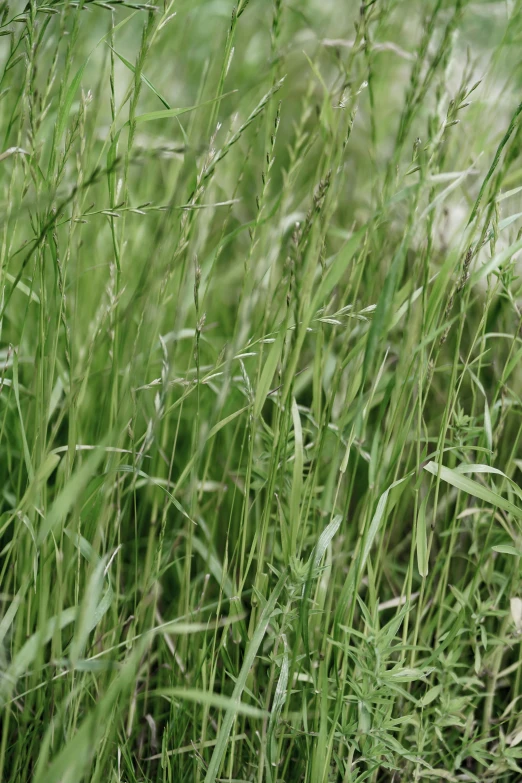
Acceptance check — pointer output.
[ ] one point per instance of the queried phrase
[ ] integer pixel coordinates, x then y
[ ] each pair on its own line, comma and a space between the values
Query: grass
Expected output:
261, 378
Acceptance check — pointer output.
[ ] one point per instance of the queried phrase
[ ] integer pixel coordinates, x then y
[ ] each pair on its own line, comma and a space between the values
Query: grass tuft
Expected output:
261, 391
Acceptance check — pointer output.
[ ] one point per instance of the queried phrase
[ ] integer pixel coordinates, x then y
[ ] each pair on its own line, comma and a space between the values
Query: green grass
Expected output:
261, 391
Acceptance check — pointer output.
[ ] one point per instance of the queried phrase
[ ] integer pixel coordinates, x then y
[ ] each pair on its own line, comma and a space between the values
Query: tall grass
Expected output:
261, 380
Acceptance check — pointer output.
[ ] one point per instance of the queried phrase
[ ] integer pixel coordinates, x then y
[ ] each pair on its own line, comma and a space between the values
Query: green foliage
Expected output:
261, 391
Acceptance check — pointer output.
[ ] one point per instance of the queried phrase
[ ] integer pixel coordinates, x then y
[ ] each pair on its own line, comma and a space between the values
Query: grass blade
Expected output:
248, 661
472, 488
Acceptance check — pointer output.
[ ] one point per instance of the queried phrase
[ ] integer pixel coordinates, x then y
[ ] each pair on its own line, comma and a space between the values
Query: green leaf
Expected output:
277, 706
506, 549
72, 762
314, 563
23, 288
65, 106
10, 614
357, 569
422, 539
166, 113
144, 79
431, 695
508, 221
497, 261
87, 619
208, 555
16, 387
268, 372
376, 522
219, 426
325, 538
480, 468
473, 488
23, 659
248, 660
409, 674
297, 477
69, 494
380, 324
335, 271
212, 700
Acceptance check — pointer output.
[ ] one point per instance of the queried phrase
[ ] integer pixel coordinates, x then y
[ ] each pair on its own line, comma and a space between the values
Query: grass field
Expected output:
261, 391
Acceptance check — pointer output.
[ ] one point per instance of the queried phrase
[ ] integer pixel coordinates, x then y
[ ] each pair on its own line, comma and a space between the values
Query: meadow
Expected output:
260, 391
